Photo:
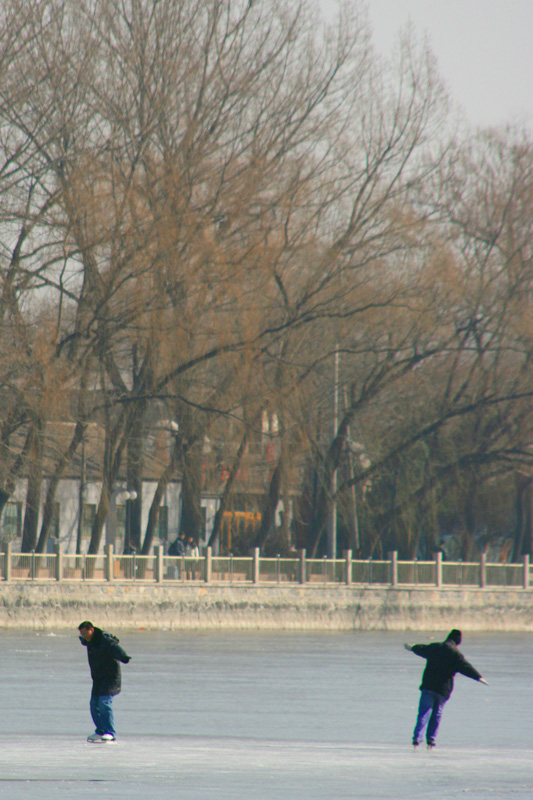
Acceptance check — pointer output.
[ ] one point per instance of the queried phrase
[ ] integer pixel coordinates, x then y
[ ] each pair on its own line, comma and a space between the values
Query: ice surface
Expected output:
287, 716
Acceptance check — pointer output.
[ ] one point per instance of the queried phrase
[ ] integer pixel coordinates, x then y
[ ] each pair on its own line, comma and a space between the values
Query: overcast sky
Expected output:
484, 49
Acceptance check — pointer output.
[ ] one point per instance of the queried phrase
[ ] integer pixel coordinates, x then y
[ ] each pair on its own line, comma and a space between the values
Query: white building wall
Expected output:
67, 495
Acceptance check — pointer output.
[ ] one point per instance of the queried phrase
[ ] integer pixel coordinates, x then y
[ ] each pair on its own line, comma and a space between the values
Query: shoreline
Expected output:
127, 606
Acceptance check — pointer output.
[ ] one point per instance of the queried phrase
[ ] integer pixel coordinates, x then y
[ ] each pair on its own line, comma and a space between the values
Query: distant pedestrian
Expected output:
104, 654
177, 548
444, 660
191, 548
192, 551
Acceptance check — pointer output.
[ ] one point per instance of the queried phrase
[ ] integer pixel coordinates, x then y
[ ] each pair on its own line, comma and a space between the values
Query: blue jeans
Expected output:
102, 713
430, 708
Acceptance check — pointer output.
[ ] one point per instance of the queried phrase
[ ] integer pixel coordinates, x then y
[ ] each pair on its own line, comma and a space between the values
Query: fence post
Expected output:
159, 561
8, 561
255, 576
208, 564
348, 567
482, 570
438, 570
394, 568
59, 562
303, 570
526, 571
109, 562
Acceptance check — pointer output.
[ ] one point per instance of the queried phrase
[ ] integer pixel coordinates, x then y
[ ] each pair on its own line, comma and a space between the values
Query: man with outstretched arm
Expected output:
104, 654
444, 660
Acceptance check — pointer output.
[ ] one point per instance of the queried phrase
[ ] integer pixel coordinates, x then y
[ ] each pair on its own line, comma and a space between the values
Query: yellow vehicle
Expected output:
238, 526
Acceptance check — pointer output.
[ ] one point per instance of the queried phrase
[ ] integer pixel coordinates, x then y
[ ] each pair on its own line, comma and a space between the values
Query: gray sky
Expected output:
484, 49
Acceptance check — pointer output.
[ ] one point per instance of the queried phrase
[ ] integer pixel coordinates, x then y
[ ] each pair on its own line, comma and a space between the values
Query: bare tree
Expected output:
203, 201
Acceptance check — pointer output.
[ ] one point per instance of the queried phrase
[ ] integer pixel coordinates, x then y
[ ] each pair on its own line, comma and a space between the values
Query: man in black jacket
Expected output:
444, 660
104, 654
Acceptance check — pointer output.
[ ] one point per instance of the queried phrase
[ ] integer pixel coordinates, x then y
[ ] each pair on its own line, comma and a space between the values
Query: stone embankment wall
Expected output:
228, 607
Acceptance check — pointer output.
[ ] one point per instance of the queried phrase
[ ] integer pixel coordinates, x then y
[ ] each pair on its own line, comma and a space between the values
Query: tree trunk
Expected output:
270, 505
48, 509
33, 493
191, 490
226, 494
134, 479
324, 498
153, 514
524, 526
10, 482
468, 544
305, 508
101, 515
115, 443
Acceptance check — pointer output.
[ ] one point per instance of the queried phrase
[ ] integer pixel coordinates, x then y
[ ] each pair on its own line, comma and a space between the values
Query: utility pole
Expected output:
81, 499
332, 517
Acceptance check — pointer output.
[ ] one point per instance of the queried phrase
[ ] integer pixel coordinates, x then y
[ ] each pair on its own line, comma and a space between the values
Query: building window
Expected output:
12, 521
89, 515
163, 523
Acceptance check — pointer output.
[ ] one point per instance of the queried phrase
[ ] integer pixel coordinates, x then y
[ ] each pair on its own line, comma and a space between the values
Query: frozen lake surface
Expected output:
286, 716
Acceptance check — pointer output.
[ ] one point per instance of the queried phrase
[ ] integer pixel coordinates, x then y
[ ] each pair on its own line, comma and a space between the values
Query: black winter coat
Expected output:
444, 660
104, 653
177, 548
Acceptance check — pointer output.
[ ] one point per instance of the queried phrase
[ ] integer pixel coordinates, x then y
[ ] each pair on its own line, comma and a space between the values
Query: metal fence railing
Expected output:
232, 569
419, 573
325, 570
239, 570
371, 572
83, 568
279, 570
511, 575
33, 566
